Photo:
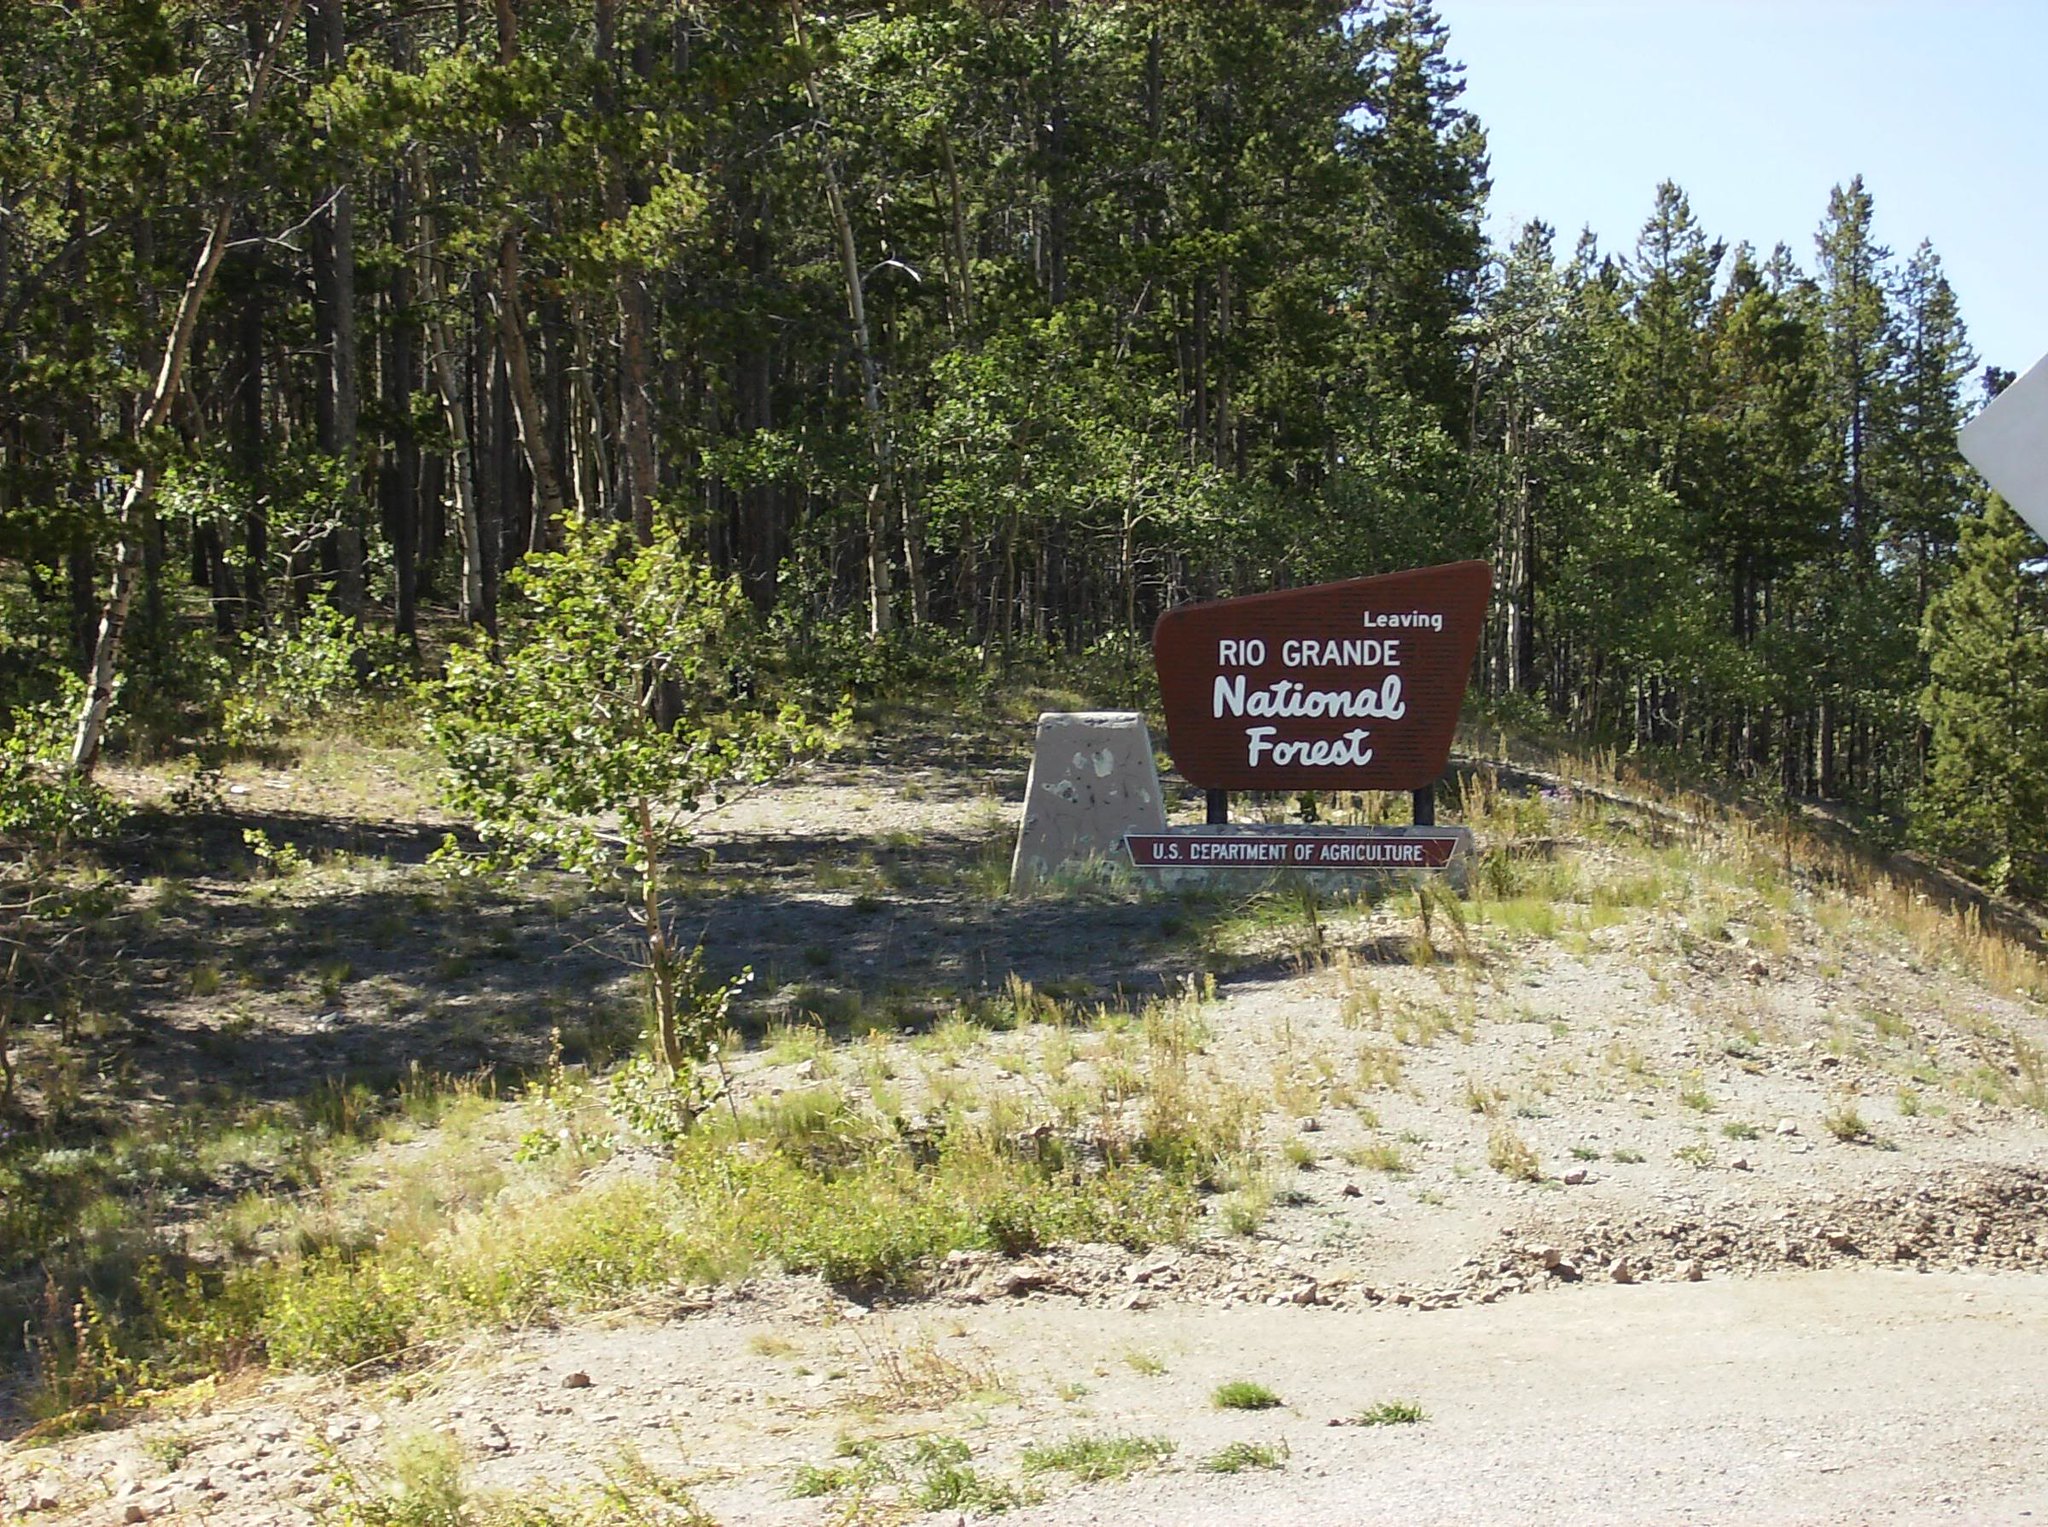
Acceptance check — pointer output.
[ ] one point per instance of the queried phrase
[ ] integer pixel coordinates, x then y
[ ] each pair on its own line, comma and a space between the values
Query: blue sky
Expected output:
1757, 109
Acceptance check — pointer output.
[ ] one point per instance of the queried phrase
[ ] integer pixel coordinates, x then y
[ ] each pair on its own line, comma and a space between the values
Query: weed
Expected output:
1139, 1360
1739, 1129
1845, 1123
954, 1486
1379, 1156
1244, 1208
1391, 1413
1694, 1095
1097, 1458
1482, 1099
1510, 1155
1379, 1066
1299, 1154
1627, 1156
1244, 1394
1237, 1457
425, 1488
1699, 1155
932, 1474
1585, 1153
169, 1450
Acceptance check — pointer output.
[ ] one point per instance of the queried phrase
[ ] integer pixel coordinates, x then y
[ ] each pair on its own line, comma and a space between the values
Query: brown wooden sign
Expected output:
1321, 848
1344, 686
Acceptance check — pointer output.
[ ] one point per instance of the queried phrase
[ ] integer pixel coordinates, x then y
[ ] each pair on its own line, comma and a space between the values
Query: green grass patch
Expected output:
1391, 1413
1239, 1457
1097, 1458
1243, 1394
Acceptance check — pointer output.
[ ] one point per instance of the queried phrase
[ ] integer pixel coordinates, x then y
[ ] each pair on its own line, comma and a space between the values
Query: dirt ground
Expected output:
1704, 1199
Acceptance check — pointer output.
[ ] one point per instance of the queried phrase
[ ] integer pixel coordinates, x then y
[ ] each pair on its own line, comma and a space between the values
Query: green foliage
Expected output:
303, 672
630, 696
43, 805
1985, 799
926, 1474
628, 687
1391, 1413
1243, 1394
1239, 1457
1097, 1458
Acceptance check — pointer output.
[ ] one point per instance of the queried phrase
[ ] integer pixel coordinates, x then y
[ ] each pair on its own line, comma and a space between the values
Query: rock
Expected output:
1575, 1177
1546, 1257
1134, 1300
1618, 1271
271, 1431
135, 1511
1838, 1238
1695, 1270
1352, 1190
1310, 1126
42, 1495
1308, 1293
1146, 1269
1787, 1127
577, 1380
1740, 1163
1012, 1282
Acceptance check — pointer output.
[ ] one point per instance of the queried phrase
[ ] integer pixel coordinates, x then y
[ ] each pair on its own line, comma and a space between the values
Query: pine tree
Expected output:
1985, 799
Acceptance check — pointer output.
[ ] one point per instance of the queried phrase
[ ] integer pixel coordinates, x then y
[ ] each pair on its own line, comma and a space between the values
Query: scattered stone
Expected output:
1787, 1127
1308, 1293
1695, 1270
1618, 1271
1838, 1238
1740, 1163
42, 1495
135, 1511
1352, 1190
1310, 1126
1575, 1177
1013, 1282
577, 1380
1547, 1257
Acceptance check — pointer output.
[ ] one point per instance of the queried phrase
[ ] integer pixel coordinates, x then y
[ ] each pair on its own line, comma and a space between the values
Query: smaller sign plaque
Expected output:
1301, 848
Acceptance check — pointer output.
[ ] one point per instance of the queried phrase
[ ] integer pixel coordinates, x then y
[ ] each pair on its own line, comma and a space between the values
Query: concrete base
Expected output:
1092, 781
